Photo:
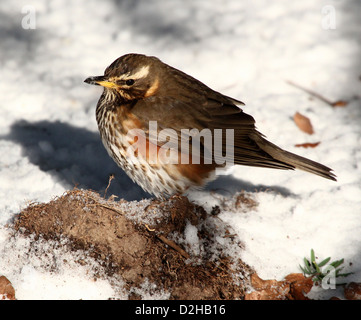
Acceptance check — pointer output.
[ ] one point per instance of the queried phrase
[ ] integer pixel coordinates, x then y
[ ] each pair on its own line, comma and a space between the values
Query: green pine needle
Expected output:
316, 270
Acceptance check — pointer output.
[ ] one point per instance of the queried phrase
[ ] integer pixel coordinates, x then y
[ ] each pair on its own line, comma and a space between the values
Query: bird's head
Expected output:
132, 76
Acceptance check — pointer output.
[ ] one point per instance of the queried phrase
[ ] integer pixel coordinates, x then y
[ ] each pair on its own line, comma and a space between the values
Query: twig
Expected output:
174, 246
338, 103
111, 177
97, 204
170, 243
149, 229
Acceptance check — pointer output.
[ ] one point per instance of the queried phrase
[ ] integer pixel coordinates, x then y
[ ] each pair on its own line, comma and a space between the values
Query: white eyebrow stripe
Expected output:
141, 73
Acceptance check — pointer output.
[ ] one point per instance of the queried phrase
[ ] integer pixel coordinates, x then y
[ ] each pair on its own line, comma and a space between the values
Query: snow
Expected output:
245, 49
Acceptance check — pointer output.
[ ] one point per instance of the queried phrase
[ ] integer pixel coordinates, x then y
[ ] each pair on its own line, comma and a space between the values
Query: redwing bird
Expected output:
141, 91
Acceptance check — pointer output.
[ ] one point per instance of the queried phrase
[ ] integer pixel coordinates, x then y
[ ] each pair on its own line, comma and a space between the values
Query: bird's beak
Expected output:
101, 81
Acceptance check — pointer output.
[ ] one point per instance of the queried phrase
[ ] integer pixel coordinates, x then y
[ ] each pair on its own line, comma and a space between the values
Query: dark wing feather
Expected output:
246, 150
252, 149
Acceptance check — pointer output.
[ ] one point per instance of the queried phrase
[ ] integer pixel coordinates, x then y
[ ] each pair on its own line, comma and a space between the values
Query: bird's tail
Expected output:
293, 160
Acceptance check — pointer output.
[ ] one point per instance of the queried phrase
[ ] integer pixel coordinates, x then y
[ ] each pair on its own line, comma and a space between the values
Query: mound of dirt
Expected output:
173, 244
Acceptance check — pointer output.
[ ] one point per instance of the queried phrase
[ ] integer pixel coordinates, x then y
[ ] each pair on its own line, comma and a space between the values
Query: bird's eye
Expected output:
129, 82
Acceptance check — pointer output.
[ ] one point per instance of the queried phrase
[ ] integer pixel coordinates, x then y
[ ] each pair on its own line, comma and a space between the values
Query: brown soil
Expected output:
144, 242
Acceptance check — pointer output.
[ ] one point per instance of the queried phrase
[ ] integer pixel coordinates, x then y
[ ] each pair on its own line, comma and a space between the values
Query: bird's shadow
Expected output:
76, 157
228, 185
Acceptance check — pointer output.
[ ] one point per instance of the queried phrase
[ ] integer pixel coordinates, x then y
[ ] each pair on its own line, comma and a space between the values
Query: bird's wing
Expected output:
228, 117
229, 127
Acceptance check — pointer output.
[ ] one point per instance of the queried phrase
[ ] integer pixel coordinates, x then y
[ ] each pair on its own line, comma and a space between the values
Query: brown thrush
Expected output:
149, 111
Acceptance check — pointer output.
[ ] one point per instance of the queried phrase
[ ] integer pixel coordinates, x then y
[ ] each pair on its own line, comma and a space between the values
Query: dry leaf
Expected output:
307, 145
6, 289
267, 289
353, 291
260, 284
299, 285
303, 123
293, 287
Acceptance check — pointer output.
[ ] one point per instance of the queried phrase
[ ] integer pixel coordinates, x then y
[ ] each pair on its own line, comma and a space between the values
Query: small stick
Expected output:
174, 246
170, 243
97, 204
111, 177
338, 103
149, 229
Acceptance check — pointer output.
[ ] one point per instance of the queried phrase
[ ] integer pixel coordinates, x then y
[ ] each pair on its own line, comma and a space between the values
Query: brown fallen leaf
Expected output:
307, 145
353, 291
294, 287
303, 123
267, 289
299, 285
260, 284
6, 289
